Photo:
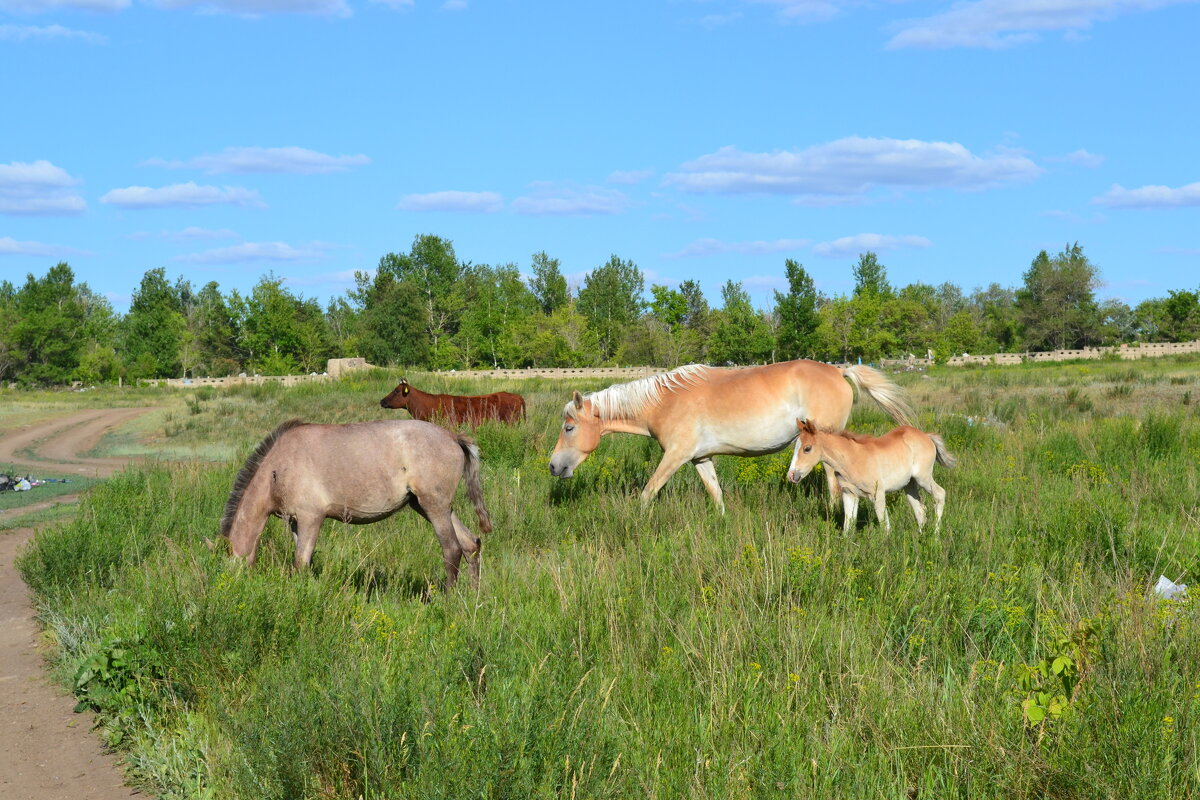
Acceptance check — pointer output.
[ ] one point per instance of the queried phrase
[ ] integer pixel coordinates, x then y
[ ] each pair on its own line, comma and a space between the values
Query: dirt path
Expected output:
47, 752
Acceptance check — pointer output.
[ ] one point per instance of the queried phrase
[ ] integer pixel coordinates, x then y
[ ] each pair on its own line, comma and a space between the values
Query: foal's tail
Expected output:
474, 485
888, 395
944, 456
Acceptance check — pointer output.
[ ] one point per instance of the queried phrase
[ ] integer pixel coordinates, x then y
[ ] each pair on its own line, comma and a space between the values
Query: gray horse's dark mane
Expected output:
249, 470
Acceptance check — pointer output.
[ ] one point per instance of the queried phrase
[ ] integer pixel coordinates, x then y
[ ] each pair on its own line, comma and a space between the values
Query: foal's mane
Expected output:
624, 400
249, 470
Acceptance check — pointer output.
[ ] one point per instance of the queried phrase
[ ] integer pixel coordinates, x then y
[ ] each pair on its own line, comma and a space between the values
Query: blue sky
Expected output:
711, 140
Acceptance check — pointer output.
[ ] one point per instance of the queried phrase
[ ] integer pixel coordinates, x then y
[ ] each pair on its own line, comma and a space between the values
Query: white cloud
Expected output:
630, 176
181, 194
852, 167
715, 247
548, 198
22, 33
11, 247
38, 188
996, 24
1080, 158
482, 202
257, 251
256, 8
341, 278
1150, 197
244, 160
765, 282
803, 10
189, 234
394, 4
41, 6
853, 245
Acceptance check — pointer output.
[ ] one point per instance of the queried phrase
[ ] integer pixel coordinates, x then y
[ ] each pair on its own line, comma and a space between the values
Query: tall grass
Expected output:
618, 652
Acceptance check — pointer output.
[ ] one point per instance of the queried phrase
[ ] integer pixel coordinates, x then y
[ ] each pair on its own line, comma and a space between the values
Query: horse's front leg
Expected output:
304, 532
881, 509
670, 464
708, 474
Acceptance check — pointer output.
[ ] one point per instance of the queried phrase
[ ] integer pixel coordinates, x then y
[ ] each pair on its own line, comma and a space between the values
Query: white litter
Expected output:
1168, 589
23, 485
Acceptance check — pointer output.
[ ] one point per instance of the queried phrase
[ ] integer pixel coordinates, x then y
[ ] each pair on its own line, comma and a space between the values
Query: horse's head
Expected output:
398, 398
579, 436
806, 453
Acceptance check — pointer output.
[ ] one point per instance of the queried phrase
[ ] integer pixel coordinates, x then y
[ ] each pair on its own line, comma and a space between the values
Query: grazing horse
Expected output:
870, 466
453, 409
697, 412
360, 472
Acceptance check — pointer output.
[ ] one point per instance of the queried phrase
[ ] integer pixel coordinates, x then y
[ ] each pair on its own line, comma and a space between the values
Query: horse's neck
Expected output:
630, 425
839, 453
253, 506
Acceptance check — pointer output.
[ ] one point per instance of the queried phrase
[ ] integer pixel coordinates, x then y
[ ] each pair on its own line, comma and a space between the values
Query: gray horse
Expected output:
358, 473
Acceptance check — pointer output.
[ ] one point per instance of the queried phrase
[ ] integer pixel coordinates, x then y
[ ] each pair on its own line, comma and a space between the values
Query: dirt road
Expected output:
47, 752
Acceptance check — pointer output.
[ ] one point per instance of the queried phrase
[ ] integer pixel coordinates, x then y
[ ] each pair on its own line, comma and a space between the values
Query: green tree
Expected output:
611, 299
434, 270
870, 277
392, 320
562, 339
48, 332
740, 334
154, 328
548, 284
1057, 307
497, 302
797, 312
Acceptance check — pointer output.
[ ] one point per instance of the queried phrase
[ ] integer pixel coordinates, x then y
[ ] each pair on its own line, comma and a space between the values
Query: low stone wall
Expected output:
1125, 352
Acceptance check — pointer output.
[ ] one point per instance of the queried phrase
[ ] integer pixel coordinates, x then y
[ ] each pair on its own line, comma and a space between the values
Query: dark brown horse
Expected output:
358, 473
452, 409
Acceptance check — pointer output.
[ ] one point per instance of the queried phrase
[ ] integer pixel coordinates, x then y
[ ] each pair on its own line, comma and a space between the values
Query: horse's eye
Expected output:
568, 428
808, 449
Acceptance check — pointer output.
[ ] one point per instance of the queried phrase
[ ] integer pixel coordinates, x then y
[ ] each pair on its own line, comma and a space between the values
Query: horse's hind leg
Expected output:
470, 544
939, 497
913, 492
708, 474
442, 520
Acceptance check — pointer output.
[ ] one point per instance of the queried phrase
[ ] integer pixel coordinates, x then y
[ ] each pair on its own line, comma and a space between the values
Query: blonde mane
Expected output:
625, 400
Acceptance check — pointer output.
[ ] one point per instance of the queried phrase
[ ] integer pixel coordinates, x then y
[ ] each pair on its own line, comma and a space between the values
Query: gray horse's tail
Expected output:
944, 456
474, 484
888, 395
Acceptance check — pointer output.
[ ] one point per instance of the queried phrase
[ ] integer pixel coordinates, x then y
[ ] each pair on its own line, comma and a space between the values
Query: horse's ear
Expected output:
800, 424
808, 427
577, 398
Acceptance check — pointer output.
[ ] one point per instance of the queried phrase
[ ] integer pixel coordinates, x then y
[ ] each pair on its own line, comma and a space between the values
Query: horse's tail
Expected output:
249, 470
888, 395
474, 484
944, 457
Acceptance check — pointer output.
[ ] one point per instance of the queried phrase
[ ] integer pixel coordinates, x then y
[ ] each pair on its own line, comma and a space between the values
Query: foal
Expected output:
869, 466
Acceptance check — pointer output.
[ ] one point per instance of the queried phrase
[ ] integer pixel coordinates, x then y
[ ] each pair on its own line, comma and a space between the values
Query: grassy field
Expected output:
613, 652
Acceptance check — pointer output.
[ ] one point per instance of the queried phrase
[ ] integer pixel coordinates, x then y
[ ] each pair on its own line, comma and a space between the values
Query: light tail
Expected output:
474, 484
887, 394
944, 457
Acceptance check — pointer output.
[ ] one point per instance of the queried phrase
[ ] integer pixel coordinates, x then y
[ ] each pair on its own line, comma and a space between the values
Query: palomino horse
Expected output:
452, 408
359, 473
697, 412
869, 466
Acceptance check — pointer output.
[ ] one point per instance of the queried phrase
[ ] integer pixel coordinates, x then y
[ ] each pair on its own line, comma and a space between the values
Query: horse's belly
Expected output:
755, 441
362, 513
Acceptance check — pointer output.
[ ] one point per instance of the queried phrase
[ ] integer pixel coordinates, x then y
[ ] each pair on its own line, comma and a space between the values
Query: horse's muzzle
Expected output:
794, 475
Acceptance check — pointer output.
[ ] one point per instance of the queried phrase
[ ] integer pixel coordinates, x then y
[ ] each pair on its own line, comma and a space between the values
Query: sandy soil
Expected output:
47, 752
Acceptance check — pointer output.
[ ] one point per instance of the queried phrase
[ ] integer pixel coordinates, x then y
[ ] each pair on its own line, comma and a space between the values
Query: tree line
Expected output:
428, 309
